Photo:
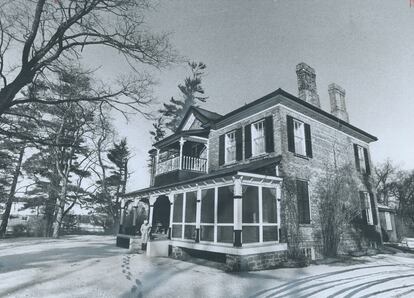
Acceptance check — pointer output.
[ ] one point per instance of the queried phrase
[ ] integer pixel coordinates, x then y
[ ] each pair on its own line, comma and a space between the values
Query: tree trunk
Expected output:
116, 226
59, 216
51, 205
10, 199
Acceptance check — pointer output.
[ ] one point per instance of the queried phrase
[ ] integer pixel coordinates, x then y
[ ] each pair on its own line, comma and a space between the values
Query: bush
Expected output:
19, 230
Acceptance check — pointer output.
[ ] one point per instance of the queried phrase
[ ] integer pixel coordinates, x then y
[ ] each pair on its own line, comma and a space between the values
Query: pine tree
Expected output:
191, 94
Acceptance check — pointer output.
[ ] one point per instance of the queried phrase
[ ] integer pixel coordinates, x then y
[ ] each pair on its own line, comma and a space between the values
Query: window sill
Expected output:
301, 156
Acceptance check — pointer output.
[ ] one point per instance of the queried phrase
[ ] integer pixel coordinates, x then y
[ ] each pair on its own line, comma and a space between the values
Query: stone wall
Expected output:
271, 260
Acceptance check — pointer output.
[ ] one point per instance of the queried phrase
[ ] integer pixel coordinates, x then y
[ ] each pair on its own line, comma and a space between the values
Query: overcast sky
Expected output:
251, 48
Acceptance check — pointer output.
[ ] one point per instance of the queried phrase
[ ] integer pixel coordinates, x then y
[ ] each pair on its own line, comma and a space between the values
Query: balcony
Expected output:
188, 163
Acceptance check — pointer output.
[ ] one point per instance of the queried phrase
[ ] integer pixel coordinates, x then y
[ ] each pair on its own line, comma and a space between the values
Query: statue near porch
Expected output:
145, 232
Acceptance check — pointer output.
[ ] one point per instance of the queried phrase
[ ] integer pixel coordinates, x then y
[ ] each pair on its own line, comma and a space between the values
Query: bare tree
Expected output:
385, 175
48, 34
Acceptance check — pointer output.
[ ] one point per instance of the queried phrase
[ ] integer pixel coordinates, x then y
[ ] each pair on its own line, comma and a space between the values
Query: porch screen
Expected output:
270, 228
225, 214
207, 215
177, 226
250, 206
190, 215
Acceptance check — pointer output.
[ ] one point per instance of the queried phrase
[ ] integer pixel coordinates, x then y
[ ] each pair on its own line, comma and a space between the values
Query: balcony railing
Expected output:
189, 163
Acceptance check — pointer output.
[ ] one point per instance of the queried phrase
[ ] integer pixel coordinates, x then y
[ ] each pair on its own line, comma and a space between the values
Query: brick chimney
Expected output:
307, 84
337, 98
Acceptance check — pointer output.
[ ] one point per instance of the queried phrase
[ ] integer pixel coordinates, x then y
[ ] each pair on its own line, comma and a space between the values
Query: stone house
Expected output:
216, 186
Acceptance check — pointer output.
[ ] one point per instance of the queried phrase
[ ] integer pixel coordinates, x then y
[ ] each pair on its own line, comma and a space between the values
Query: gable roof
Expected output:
206, 117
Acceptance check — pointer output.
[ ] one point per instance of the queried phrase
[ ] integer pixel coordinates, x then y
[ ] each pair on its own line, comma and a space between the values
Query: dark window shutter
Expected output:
221, 150
373, 209
358, 167
239, 144
303, 202
308, 140
247, 141
290, 134
363, 210
367, 168
269, 143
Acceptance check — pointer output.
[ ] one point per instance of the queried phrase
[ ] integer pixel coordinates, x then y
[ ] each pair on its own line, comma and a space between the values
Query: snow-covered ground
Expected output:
91, 266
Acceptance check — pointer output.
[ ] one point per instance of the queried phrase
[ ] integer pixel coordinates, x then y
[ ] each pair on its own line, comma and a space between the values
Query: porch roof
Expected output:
249, 168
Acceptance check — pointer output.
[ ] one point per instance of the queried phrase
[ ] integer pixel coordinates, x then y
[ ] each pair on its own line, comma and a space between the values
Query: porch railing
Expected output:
188, 163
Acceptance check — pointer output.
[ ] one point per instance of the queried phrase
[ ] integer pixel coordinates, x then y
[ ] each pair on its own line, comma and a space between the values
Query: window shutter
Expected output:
248, 141
367, 168
239, 144
373, 209
302, 194
269, 143
221, 150
308, 140
358, 167
363, 209
290, 134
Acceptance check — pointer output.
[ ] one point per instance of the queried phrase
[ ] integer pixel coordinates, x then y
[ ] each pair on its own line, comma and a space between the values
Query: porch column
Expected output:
157, 160
237, 212
152, 200
121, 220
134, 221
182, 141
278, 199
171, 199
198, 215
208, 154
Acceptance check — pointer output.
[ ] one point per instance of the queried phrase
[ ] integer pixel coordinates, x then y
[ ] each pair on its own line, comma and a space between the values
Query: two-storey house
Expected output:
217, 183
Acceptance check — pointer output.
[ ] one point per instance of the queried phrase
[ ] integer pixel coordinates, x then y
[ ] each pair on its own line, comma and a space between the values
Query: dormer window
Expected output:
230, 147
258, 138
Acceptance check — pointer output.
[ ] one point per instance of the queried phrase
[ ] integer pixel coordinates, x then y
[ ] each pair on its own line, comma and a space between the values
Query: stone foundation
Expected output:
271, 260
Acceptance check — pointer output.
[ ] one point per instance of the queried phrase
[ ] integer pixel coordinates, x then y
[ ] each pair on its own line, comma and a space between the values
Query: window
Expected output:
258, 138
388, 224
230, 147
302, 195
361, 159
367, 208
299, 137
299, 134
259, 209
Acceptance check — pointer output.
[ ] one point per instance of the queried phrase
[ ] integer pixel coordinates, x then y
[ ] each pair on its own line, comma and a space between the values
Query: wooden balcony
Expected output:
187, 163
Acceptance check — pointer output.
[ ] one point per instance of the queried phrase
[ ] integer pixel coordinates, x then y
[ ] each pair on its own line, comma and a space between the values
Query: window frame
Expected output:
302, 137
388, 223
260, 224
228, 145
361, 159
368, 209
255, 135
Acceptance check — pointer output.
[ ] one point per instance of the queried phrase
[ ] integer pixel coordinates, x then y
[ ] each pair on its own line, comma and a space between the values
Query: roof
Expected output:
296, 100
205, 116
249, 168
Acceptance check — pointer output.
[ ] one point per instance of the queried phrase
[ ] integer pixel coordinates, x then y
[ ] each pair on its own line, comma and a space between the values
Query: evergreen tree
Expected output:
191, 94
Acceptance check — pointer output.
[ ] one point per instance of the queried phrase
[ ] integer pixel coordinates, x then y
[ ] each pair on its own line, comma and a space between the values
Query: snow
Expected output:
91, 266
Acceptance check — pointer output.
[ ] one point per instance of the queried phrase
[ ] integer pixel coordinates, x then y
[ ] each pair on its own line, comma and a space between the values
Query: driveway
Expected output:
91, 266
